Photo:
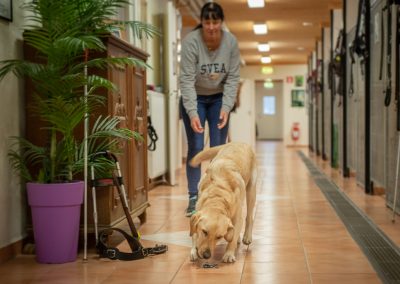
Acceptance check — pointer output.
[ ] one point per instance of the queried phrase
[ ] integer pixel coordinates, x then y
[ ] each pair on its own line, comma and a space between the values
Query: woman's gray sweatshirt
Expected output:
205, 72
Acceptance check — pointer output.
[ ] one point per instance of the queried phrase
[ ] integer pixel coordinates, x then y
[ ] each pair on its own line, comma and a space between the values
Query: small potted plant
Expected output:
64, 34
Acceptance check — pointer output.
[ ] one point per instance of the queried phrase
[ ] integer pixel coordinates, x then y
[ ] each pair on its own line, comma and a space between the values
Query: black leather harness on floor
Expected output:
137, 250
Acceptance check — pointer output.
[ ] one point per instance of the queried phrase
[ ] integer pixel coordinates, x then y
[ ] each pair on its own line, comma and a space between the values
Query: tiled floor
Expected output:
297, 238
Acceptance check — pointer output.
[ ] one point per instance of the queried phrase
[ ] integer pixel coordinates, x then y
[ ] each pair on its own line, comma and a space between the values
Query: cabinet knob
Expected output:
139, 129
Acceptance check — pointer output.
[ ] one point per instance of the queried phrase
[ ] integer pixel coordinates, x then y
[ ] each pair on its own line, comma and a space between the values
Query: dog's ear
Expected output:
194, 220
229, 233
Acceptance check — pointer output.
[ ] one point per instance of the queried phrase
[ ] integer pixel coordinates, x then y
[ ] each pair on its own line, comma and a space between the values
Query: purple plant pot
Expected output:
55, 217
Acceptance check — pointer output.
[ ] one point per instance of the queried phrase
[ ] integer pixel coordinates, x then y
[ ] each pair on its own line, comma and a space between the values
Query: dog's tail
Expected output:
206, 154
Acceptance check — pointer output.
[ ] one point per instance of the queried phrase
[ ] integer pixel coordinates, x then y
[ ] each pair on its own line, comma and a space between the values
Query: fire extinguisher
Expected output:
296, 131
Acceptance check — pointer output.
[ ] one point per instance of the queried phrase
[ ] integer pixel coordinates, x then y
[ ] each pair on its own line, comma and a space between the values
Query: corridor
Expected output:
298, 236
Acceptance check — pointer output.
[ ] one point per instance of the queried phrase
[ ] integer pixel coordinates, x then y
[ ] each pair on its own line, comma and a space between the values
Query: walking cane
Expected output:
85, 164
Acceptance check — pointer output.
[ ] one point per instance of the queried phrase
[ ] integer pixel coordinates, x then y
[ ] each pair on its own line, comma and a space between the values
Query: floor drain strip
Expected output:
382, 253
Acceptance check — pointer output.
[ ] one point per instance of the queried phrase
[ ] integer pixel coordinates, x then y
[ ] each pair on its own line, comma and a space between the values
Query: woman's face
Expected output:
211, 27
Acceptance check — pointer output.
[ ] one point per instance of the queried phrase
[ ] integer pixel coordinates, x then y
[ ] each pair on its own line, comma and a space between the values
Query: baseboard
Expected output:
10, 251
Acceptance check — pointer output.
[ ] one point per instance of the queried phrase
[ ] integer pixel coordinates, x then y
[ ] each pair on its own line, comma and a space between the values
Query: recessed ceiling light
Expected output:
260, 28
267, 70
268, 84
255, 3
307, 24
263, 47
300, 48
266, 59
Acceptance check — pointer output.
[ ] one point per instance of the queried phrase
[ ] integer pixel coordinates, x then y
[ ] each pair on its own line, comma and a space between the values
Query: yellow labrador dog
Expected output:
228, 180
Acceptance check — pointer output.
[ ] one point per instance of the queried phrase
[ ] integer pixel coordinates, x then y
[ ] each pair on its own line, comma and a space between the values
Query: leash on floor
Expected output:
137, 250
105, 251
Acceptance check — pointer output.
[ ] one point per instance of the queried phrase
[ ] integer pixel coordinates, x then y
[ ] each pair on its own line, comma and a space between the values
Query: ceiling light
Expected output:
267, 70
266, 59
263, 47
255, 3
300, 48
268, 84
260, 29
307, 24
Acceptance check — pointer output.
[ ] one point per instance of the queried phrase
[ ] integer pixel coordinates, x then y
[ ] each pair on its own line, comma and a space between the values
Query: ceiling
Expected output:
290, 41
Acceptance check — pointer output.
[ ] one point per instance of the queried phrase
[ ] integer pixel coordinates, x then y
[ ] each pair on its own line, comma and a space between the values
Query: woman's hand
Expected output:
196, 124
223, 119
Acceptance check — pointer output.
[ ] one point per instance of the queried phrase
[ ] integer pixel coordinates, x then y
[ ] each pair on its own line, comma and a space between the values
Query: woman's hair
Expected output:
211, 10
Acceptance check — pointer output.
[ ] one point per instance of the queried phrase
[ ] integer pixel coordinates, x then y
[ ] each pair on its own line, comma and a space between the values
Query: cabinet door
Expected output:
118, 105
139, 148
129, 104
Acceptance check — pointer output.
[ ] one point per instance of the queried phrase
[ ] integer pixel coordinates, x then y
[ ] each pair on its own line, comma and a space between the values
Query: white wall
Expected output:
169, 41
12, 198
242, 122
291, 114
154, 7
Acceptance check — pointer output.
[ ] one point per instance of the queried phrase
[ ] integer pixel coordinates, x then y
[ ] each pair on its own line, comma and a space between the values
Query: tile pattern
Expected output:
298, 238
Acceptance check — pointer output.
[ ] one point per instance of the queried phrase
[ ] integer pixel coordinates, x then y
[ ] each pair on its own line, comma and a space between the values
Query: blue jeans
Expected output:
208, 108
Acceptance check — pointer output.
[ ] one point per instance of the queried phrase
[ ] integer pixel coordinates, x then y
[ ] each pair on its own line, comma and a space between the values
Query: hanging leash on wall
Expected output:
388, 89
338, 62
152, 135
359, 46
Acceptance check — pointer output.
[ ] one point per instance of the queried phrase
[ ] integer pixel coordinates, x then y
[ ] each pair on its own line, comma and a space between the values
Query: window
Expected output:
269, 105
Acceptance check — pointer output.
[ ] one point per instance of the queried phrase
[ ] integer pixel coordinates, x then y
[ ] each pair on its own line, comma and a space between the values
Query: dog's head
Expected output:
207, 229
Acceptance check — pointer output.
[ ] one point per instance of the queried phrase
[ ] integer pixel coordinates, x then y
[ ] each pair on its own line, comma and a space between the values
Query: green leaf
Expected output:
67, 36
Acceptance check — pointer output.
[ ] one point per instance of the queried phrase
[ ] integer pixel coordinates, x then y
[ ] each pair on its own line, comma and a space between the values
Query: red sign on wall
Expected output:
289, 79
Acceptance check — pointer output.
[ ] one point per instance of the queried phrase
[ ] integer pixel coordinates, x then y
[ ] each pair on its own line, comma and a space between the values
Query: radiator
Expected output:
157, 160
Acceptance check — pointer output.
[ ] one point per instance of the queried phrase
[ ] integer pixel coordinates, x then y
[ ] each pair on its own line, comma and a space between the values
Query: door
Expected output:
269, 109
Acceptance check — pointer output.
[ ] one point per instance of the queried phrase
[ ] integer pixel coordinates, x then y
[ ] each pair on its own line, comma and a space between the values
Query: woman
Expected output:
210, 63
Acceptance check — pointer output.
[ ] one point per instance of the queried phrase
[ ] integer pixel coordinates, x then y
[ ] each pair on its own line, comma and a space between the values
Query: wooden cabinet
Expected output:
130, 104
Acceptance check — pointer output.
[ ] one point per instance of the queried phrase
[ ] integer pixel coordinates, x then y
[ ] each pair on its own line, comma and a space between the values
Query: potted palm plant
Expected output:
64, 34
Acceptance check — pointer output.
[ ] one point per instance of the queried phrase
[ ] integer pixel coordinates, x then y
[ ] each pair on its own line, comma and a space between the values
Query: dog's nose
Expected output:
207, 254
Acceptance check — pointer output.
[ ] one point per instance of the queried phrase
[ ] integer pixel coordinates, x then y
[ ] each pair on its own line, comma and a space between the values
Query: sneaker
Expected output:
192, 206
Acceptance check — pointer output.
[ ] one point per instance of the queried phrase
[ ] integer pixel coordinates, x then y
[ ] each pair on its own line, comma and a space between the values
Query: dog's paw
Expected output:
247, 240
229, 257
193, 255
